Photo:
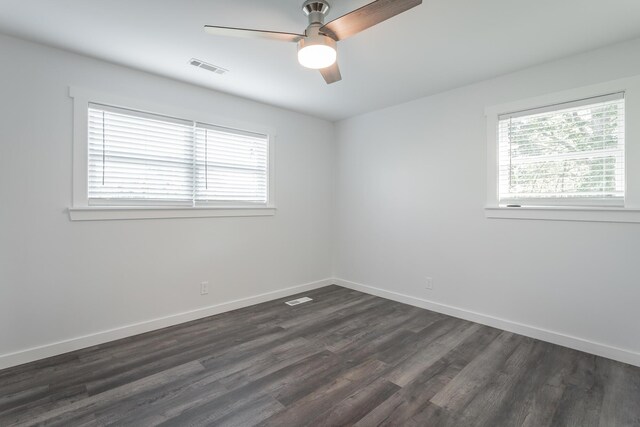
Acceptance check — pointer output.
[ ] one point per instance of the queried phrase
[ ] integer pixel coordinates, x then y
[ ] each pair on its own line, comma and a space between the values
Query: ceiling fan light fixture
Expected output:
317, 52
317, 46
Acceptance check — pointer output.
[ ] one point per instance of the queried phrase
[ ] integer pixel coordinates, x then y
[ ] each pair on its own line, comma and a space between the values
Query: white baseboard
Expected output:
77, 343
54, 349
581, 344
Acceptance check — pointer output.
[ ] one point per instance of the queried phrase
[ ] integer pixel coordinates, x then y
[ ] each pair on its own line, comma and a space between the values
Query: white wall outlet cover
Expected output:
429, 283
204, 288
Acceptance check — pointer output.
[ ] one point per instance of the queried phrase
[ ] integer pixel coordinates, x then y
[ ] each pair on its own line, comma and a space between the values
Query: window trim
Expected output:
630, 212
94, 213
81, 210
586, 201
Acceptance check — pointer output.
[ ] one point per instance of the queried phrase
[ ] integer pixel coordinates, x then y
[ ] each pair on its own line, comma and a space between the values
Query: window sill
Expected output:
589, 214
99, 213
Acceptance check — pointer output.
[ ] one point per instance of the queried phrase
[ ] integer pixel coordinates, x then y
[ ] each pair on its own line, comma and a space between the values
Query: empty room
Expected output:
293, 213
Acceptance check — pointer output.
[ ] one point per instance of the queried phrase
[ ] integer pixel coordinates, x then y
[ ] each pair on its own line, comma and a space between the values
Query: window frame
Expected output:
82, 210
629, 212
563, 201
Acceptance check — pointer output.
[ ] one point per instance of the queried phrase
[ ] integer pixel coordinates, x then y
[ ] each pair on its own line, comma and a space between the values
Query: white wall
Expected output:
60, 279
392, 219
410, 195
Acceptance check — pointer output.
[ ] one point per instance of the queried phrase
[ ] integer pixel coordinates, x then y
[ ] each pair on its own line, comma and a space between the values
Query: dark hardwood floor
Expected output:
346, 358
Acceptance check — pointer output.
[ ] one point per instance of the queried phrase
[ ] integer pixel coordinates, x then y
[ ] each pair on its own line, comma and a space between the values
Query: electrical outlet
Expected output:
204, 288
429, 283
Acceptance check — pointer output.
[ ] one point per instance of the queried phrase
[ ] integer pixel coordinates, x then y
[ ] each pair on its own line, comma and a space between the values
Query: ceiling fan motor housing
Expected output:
315, 10
315, 38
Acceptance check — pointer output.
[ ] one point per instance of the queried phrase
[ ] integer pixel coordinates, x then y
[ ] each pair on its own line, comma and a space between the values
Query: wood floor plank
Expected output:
122, 373
533, 400
252, 413
227, 403
24, 412
311, 407
471, 380
269, 362
430, 354
369, 326
312, 379
309, 314
582, 398
433, 415
345, 358
205, 386
410, 400
358, 404
493, 400
158, 405
396, 354
620, 383
80, 408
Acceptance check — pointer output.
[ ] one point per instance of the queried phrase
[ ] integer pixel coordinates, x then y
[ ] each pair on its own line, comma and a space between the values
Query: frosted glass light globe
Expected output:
317, 51
317, 56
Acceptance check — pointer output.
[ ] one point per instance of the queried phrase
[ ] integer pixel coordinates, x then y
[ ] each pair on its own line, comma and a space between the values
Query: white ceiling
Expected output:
436, 46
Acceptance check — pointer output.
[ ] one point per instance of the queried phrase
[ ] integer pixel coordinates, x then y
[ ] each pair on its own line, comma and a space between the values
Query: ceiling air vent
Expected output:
206, 66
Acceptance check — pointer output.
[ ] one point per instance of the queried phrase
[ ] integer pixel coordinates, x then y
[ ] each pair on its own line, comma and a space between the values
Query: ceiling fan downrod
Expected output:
315, 10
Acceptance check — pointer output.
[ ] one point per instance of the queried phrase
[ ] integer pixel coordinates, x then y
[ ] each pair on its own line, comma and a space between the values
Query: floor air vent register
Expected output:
298, 301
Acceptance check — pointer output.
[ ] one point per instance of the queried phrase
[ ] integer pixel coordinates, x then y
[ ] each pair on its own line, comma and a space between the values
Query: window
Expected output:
567, 154
139, 159
143, 159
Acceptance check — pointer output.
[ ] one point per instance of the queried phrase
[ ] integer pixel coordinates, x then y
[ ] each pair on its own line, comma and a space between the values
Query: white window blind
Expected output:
231, 166
138, 158
567, 154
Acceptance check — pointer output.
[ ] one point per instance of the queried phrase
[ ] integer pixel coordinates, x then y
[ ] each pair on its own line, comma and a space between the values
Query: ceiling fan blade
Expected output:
365, 17
331, 74
252, 34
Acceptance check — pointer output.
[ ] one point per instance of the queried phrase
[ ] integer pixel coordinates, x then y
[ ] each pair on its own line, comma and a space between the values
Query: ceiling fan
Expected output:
317, 46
